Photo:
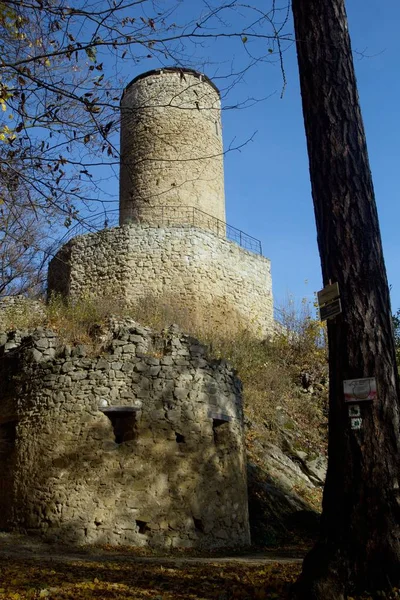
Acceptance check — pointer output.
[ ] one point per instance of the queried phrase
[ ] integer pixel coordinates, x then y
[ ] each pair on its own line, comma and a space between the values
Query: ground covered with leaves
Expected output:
152, 580
132, 580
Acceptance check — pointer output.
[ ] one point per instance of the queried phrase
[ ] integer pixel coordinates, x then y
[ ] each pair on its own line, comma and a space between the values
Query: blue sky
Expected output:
267, 182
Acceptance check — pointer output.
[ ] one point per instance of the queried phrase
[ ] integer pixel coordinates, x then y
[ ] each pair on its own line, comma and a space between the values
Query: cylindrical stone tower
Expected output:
171, 149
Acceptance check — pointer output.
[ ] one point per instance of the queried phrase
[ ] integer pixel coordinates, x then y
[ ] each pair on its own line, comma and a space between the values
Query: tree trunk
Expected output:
359, 544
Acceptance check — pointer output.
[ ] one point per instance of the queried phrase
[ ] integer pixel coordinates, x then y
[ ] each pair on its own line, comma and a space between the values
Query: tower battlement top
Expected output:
179, 70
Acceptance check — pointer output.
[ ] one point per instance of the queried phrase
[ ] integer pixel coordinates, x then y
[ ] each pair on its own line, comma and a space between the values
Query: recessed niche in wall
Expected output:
198, 525
7, 436
124, 422
180, 439
142, 526
221, 429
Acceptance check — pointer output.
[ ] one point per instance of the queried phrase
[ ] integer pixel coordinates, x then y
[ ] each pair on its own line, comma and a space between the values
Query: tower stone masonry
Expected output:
171, 146
173, 241
141, 446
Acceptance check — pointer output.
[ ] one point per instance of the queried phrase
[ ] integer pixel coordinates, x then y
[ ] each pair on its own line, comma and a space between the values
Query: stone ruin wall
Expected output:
17, 309
217, 281
171, 145
140, 445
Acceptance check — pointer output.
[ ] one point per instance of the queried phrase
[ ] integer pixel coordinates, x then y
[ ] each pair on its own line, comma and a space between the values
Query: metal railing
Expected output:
168, 216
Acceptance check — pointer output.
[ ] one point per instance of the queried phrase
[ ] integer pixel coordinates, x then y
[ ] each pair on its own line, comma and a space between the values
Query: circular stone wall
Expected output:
211, 280
171, 147
142, 445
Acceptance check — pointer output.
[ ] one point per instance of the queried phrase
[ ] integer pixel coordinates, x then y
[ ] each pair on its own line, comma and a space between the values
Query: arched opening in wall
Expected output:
124, 422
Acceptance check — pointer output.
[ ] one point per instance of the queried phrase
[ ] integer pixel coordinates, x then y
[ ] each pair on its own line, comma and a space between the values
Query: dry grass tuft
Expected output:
284, 378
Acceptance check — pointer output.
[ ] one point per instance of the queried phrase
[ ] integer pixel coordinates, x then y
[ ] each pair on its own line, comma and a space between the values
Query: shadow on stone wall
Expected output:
177, 480
170, 500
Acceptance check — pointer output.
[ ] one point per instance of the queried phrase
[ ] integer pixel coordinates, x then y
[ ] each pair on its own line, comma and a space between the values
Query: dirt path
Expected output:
16, 546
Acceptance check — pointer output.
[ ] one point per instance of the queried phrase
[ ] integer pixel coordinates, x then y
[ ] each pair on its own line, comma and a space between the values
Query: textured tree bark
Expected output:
359, 545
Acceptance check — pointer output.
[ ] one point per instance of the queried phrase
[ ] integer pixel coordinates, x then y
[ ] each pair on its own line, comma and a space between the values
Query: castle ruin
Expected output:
142, 443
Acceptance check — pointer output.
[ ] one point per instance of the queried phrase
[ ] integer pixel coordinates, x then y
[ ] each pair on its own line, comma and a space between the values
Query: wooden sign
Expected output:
329, 302
331, 310
329, 293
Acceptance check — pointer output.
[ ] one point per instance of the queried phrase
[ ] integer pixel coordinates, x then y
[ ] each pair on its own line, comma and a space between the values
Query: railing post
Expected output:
240, 238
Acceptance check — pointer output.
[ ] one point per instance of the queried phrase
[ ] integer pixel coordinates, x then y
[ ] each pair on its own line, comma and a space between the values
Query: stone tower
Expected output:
142, 444
171, 146
172, 245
